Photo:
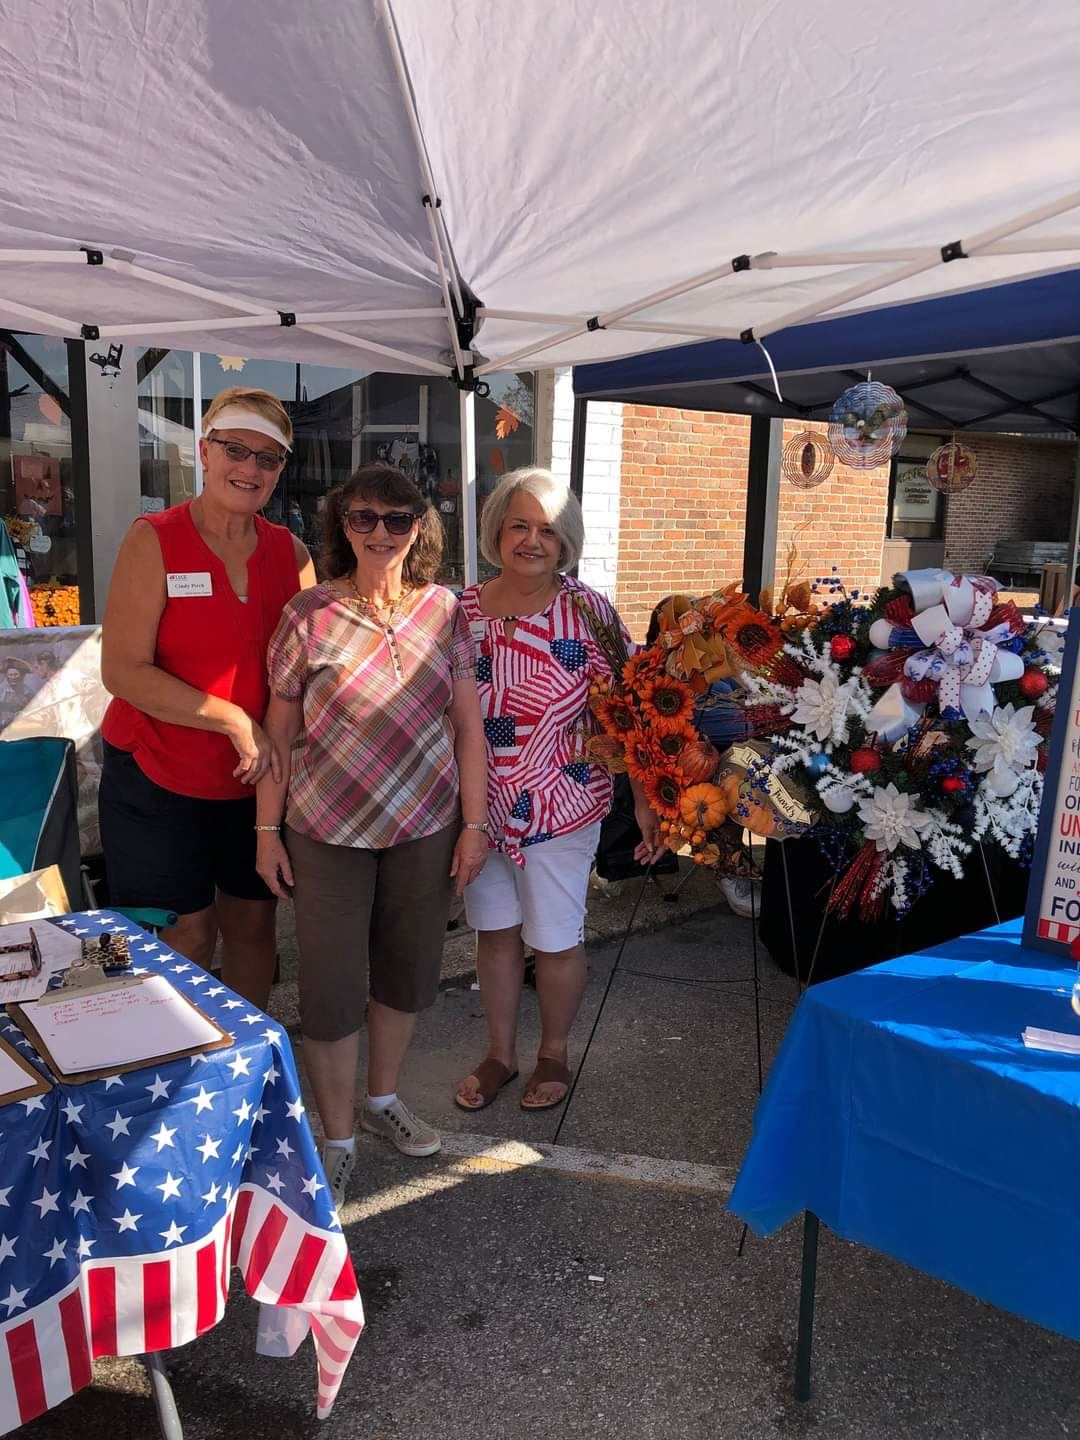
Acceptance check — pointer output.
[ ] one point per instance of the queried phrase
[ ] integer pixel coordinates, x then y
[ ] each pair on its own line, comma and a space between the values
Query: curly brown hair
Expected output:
388, 486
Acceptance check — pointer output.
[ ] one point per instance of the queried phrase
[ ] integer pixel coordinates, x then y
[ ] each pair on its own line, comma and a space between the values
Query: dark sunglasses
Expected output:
397, 522
237, 453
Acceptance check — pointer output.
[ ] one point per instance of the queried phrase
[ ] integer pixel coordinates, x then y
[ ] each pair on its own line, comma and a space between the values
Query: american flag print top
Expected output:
534, 690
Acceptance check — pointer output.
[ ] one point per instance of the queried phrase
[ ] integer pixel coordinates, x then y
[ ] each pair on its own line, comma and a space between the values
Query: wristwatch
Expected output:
481, 825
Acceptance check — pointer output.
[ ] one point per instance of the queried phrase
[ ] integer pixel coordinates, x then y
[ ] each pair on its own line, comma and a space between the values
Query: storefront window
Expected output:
505, 437
916, 509
37, 498
166, 436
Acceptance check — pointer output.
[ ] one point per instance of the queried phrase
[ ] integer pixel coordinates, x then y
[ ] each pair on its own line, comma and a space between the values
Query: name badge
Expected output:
478, 628
181, 583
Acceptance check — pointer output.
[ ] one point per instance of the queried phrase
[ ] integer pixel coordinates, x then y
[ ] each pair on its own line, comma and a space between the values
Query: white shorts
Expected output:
547, 898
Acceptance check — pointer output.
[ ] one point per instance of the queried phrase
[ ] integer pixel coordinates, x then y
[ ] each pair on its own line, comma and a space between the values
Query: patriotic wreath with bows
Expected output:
914, 726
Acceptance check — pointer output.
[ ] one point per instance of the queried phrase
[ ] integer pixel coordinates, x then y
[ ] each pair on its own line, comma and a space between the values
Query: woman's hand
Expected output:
256, 751
652, 846
273, 864
470, 857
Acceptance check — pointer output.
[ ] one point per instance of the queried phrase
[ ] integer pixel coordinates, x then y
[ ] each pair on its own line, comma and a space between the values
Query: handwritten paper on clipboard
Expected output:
18, 1079
106, 1031
58, 951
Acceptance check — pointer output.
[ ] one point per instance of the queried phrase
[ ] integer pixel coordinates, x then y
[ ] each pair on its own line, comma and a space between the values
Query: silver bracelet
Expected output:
267, 827
481, 825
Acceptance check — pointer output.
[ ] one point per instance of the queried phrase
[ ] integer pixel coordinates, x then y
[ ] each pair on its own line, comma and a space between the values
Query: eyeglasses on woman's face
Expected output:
239, 454
395, 522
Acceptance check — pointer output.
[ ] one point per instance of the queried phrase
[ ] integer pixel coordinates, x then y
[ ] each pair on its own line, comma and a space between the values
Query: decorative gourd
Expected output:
699, 761
704, 806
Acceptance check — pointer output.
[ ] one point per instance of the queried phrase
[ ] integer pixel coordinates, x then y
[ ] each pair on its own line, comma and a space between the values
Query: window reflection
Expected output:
37, 498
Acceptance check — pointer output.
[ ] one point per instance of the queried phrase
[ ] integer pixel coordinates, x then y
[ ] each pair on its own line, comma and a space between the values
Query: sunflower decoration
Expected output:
616, 715
641, 755
663, 790
667, 703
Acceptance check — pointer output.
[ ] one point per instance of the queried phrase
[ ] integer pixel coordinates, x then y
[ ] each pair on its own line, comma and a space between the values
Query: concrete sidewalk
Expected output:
522, 1291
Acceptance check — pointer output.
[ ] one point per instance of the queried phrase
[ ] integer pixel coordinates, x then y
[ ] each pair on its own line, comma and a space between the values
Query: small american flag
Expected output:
125, 1203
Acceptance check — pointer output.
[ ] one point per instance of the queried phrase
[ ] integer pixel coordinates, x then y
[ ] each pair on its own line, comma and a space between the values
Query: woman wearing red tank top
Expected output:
195, 596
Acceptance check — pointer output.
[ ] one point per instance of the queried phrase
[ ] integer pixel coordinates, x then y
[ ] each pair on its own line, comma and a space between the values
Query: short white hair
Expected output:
556, 500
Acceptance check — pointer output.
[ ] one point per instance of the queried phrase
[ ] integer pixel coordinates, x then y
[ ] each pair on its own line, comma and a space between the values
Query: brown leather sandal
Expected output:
547, 1072
491, 1076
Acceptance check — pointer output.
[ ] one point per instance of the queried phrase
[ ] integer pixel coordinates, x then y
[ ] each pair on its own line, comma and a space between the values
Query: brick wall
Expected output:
1023, 491
683, 509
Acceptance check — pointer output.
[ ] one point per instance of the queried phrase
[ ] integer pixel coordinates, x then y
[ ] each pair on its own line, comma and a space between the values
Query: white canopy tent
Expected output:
445, 187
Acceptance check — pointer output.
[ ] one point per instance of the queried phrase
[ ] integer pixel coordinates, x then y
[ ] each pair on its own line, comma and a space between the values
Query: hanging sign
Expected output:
1052, 916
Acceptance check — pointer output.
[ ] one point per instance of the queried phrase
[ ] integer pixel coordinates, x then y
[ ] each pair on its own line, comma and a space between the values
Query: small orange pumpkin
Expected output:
704, 807
699, 761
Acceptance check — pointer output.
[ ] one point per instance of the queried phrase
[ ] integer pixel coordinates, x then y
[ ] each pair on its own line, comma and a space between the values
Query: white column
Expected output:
112, 425
467, 413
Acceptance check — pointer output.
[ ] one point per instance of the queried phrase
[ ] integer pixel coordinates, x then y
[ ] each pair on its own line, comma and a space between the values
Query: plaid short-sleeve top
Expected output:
374, 764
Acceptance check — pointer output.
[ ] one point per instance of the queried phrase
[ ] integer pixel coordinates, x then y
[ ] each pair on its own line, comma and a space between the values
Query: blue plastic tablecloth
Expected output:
905, 1111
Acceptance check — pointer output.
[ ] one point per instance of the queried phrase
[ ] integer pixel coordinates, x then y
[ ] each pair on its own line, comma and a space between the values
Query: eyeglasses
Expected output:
237, 453
397, 522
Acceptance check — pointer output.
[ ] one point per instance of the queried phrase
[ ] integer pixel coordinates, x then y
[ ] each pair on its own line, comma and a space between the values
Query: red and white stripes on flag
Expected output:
288, 1263
138, 1304
1056, 930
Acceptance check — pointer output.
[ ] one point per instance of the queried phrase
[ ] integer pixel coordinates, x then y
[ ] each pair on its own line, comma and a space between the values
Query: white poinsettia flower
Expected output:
892, 819
1004, 744
822, 707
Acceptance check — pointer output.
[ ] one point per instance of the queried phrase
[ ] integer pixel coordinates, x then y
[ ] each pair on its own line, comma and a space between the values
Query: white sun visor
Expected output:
238, 417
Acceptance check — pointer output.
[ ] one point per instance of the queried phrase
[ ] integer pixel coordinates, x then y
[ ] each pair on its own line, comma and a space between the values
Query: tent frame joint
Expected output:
741, 262
286, 318
89, 332
594, 324
747, 336
953, 251
93, 257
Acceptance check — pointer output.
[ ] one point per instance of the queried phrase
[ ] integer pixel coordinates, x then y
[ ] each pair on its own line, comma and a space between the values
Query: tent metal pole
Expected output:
467, 414
762, 504
251, 322
196, 414
243, 303
578, 431
70, 329
429, 367
451, 324
853, 292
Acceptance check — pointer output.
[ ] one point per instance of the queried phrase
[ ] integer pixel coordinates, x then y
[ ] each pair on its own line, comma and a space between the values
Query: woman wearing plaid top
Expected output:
537, 656
373, 696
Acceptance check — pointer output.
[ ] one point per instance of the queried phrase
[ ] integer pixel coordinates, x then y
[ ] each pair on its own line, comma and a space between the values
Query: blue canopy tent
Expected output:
1002, 358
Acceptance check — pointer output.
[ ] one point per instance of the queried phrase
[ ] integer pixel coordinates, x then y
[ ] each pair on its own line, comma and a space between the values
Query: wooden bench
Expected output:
1013, 560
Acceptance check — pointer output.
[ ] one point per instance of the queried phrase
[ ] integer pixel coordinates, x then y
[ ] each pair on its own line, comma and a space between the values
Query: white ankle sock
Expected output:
347, 1145
381, 1102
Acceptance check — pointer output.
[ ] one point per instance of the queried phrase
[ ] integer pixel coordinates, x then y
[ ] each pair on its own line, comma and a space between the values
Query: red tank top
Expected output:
215, 642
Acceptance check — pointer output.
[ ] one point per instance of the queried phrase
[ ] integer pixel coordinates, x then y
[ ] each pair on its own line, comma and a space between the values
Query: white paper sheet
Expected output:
12, 1075
58, 951
119, 1027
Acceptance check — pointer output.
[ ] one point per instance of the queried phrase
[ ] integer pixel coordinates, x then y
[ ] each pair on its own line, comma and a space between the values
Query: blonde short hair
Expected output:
556, 500
261, 401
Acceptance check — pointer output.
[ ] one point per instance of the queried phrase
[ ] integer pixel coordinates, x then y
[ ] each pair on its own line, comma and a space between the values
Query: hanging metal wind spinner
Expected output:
807, 460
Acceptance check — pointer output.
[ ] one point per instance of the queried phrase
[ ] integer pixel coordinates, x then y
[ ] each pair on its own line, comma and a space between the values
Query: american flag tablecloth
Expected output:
125, 1202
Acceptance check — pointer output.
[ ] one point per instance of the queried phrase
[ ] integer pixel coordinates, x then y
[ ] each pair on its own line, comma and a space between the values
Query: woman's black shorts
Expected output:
172, 852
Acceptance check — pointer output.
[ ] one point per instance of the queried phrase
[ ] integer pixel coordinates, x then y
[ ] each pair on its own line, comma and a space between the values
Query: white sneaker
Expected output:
402, 1128
742, 894
338, 1164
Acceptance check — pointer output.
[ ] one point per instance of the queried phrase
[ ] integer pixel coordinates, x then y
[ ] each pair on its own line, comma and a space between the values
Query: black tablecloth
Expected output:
949, 908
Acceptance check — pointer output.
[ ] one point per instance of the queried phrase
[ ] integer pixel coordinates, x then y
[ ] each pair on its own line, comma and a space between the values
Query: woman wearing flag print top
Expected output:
383, 800
195, 595
537, 657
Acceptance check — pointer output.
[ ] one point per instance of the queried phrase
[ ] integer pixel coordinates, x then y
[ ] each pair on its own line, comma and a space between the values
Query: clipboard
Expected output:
86, 1077
36, 1082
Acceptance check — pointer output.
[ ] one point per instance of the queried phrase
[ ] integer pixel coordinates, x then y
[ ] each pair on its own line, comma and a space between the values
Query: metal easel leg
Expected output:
164, 1400
807, 1292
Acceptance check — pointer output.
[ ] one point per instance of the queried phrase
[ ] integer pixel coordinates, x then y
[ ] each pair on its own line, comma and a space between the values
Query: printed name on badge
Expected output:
478, 628
181, 583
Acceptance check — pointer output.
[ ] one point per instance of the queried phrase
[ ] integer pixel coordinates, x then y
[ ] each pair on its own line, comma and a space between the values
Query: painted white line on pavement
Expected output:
489, 1152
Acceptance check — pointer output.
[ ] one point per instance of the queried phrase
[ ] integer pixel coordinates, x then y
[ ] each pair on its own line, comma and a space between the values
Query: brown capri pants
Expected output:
368, 920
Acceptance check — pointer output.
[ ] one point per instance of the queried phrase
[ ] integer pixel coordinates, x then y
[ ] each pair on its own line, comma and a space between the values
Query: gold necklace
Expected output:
376, 605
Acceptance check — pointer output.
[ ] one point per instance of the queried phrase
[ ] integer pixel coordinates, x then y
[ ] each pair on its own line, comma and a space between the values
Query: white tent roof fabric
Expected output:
265, 156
